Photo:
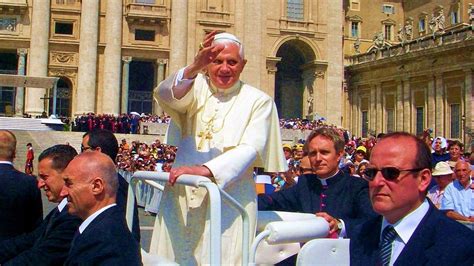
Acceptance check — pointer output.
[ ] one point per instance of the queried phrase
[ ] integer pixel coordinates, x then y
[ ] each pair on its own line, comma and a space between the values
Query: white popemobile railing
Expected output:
277, 228
215, 194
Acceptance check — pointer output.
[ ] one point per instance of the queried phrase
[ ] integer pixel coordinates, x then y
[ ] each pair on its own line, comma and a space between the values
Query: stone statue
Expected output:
440, 20
437, 22
408, 30
471, 13
357, 46
379, 40
401, 34
310, 103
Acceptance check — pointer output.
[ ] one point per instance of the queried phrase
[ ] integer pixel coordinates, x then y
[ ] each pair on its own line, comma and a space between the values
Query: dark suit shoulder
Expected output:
107, 241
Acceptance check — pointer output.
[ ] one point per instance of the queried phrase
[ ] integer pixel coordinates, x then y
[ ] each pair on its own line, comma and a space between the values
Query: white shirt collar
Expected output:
407, 225
62, 204
324, 180
6, 162
91, 218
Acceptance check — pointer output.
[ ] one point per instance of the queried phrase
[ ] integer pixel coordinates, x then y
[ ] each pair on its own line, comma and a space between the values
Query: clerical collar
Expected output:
228, 91
324, 181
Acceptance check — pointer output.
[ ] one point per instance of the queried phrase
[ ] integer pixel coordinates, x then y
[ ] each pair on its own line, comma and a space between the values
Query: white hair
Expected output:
226, 38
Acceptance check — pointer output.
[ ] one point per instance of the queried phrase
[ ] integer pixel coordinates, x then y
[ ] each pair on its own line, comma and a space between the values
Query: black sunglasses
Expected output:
389, 173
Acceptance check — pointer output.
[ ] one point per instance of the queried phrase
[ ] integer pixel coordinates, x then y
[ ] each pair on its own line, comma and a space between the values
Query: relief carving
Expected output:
63, 58
71, 74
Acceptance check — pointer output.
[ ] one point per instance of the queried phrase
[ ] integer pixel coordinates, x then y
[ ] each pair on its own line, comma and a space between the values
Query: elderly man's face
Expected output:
225, 70
323, 156
78, 190
462, 172
394, 199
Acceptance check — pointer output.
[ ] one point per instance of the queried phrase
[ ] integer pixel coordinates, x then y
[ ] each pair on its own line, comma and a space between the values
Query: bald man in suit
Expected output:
103, 237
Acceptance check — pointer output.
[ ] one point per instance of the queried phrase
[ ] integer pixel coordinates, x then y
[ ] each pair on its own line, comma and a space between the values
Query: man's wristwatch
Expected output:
339, 226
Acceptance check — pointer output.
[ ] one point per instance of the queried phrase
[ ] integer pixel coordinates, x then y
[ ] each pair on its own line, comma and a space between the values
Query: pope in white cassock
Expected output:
223, 129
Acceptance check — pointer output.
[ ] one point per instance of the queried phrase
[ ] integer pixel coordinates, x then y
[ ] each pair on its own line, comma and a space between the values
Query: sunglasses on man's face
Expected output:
389, 173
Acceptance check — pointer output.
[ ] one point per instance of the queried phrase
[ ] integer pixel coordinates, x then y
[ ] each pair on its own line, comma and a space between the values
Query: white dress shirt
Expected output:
91, 218
405, 228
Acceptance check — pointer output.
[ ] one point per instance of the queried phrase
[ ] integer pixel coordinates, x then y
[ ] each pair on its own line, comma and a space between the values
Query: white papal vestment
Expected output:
230, 131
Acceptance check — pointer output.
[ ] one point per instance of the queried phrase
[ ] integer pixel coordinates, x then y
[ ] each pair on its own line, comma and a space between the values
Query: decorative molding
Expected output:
22, 51
127, 59
271, 64
71, 74
63, 58
162, 61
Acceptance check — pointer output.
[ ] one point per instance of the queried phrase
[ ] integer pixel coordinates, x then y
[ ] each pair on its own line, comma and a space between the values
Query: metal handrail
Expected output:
215, 210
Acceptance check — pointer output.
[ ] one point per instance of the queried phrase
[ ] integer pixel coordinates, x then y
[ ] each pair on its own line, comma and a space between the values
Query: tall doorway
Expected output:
141, 85
8, 65
63, 98
289, 80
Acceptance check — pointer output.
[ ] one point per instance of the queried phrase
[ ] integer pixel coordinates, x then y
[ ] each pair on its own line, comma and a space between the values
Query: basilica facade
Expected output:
110, 54
409, 67
370, 66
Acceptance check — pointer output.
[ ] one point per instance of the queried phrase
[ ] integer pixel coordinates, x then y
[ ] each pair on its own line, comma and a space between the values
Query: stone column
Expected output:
271, 71
38, 56
87, 71
112, 58
335, 69
355, 112
283, 5
431, 96
179, 31
125, 83
399, 106
20, 91
160, 76
372, 109
440, 102
379, 122
407, 105
253, 26
468, 129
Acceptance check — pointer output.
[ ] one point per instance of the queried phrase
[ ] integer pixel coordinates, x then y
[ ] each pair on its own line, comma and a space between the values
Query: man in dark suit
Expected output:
21, 209
103, 237
341, 199
49, 243
411, 231
106, 142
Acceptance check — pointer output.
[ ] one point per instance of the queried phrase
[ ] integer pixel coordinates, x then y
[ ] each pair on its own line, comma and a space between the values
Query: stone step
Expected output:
19, 123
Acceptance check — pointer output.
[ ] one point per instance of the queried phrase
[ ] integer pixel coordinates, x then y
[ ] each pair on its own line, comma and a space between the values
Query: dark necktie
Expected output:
388, 235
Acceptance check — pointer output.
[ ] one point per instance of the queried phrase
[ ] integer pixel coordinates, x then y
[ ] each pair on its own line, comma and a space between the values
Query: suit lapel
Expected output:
367, 246
54, 214
418, 249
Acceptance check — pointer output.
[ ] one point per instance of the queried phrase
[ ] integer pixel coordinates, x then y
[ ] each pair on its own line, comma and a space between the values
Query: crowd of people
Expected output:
139, 156
301, 124
357, 152
124, 123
